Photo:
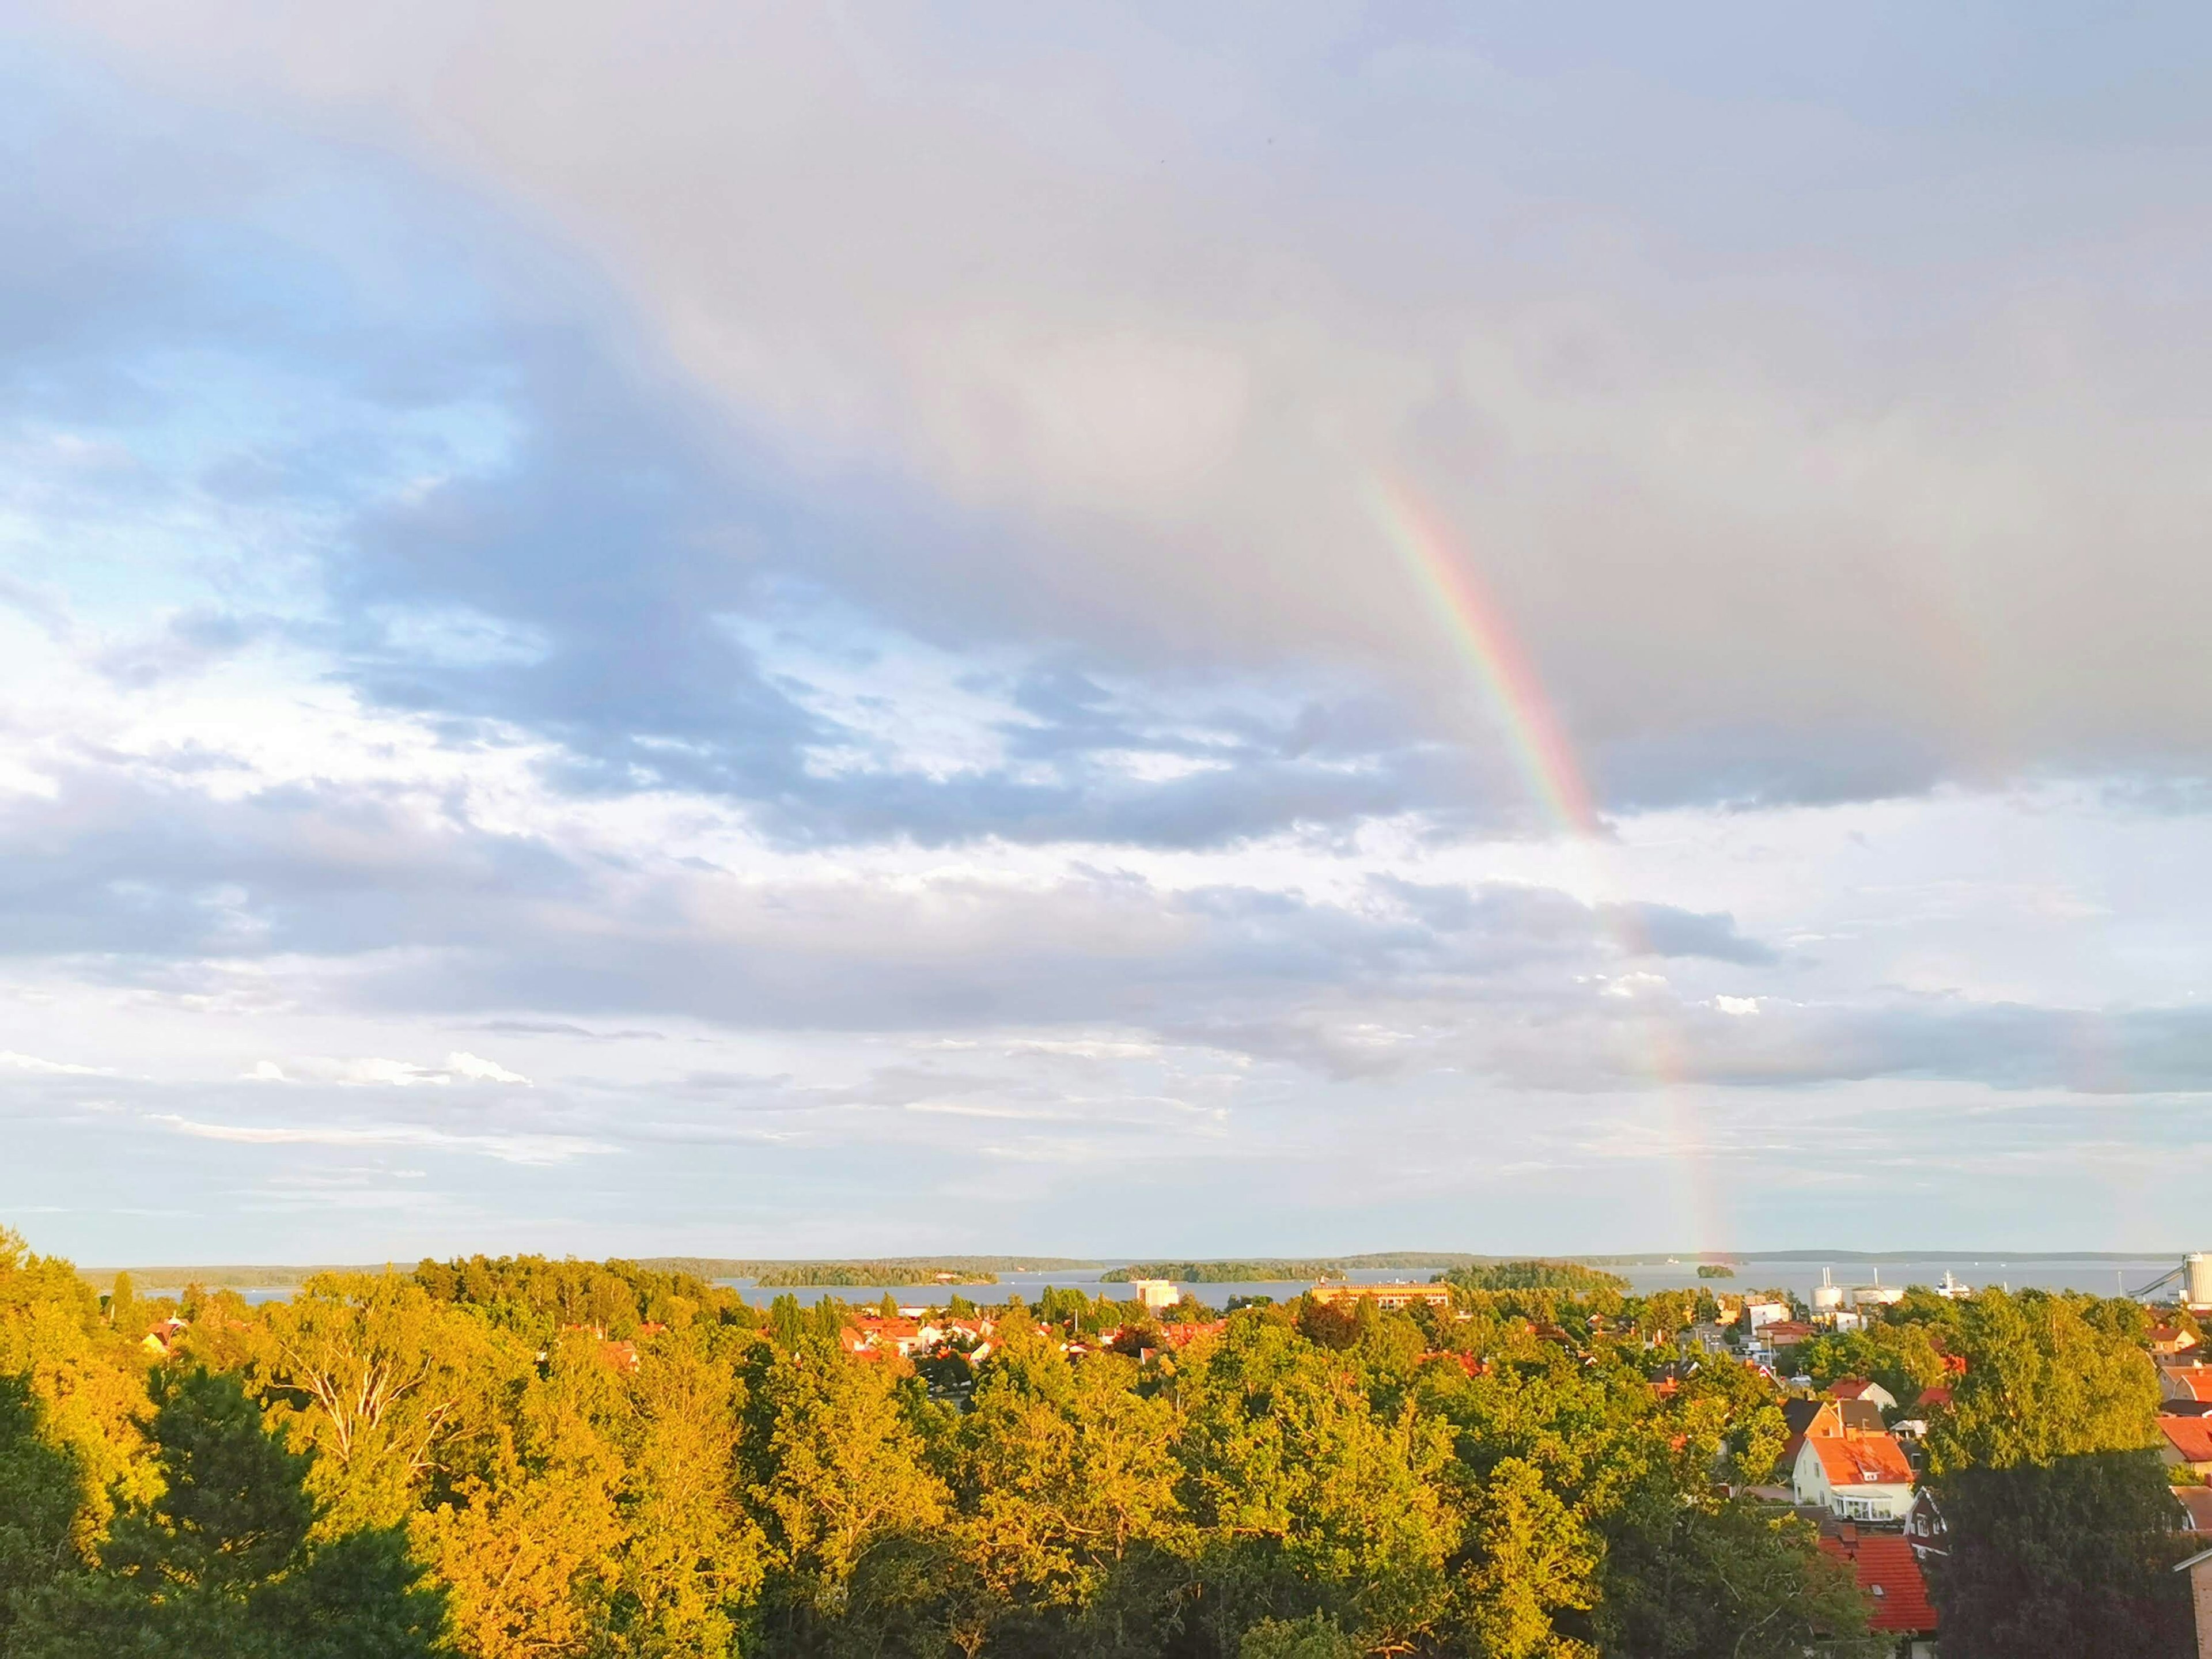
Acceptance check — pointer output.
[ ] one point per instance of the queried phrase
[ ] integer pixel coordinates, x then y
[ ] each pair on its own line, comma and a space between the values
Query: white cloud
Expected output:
1738, 1005
477, 1069
530, 1149
47, 1067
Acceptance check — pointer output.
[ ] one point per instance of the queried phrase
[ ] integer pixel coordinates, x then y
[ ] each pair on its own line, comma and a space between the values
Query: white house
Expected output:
1759, 1314
1857, 1388
1855, 1476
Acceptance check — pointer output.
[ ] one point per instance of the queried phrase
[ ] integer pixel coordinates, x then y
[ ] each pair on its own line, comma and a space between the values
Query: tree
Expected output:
2059, 1516
530, 1544
219, 1565
1318, 1502
1533, 1557
1059, 1471
832, 1465
376, 1377
37, 1501
2063, 1558
1685, 1580
2042, 1381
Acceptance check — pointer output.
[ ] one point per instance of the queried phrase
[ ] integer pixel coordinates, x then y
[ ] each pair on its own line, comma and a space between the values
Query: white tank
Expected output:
1826, 1298
2197, 1269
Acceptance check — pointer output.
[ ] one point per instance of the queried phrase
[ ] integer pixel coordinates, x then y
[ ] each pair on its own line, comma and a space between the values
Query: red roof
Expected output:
2189, 1437
2196, 1501
1862, 1460
1848, 1388
1785, 1330
2195, 1381
1937, 1393
1890, 1579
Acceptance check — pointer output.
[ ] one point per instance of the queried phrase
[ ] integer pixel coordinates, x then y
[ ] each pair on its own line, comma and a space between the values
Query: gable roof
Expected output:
1890, 1577
2195, 1381
1850, 1388
1862, 1460
2189, 1437
1798, 1415
2196, 1504
1860, 1416
1936, 1393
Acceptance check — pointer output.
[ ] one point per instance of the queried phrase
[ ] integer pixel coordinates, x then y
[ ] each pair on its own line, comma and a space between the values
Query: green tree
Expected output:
39, 1488
1324, 1504
376, 1376
2060, 1520
1685, 1580
2042, 1381
219, 1565
832, 1464
2065, 1557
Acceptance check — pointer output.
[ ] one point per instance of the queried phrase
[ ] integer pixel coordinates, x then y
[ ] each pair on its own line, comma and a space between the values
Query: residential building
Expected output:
2185, 1379
2196, 1507
1857, 1388
2199, 1569
1855, 1476
1155, 1293
1758, 1314
1387, 1297
1889, 1576
2188, 1443
1924, 1526
1805, 1417
2171, 1339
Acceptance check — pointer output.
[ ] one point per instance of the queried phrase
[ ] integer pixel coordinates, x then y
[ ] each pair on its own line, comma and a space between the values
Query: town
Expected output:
1515, 1445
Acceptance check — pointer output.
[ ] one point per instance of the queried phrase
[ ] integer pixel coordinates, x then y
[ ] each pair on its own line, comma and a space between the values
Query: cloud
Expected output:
477, 1069
527, 1149
46, 1068
392, 1073
1809, 504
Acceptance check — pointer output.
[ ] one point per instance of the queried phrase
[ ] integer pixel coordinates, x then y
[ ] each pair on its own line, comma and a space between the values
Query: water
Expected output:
2104, 1277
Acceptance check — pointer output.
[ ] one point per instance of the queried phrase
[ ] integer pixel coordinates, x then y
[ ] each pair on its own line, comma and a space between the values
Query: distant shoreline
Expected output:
786, 1270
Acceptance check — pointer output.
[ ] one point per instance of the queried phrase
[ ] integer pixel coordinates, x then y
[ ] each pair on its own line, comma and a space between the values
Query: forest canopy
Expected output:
515, 1457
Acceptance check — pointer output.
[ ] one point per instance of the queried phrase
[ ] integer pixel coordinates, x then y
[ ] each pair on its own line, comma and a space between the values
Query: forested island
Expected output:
1270, 1269
516, 1457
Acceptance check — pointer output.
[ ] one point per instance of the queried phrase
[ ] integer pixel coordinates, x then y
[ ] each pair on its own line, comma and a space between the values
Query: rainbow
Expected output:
1547, 762
1472, 617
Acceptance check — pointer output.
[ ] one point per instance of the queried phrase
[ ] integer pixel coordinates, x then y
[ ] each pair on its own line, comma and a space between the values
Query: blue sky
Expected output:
671, 630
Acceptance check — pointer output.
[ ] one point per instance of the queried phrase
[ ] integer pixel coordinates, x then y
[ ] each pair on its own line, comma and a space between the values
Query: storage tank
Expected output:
2197, 1267
1828, 1296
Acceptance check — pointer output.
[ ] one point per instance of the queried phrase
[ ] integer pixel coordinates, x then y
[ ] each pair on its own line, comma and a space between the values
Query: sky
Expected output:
1121, 631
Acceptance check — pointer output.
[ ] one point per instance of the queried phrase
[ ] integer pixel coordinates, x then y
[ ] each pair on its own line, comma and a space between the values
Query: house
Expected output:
1936, 1397
2171, 1339
1181, 1336
2196, 1503
1889, 1576
2199, 1569
1807, 1417
1759, 1314
1388, 1298
1155, 1293
2187, 1380
1857, 1388
1924, 1526
1784, 1332
1855, 1476
2188, 1443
